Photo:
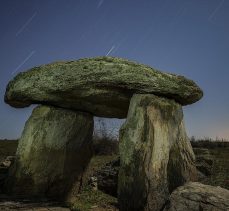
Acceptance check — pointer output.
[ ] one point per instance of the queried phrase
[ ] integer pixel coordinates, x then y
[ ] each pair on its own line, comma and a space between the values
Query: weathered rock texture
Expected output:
52, 154
198, 197
102, 86
155, 153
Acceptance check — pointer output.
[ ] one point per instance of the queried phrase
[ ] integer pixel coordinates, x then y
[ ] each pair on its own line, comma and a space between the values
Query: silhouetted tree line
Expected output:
209, 142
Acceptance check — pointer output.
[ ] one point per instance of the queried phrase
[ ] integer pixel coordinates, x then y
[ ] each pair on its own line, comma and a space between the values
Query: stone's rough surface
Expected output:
52, 155
155, 153
196, 196
102, 86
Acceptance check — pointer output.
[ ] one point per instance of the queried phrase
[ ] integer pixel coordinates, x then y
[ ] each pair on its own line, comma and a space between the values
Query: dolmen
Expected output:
56, 145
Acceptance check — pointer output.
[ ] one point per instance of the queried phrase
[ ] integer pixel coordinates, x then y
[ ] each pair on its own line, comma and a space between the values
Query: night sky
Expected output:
187, 37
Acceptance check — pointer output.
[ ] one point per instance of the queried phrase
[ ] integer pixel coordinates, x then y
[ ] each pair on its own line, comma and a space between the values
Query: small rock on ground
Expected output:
30, 206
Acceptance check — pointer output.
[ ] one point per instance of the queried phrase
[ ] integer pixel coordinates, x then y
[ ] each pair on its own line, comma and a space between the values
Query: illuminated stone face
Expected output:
102, 86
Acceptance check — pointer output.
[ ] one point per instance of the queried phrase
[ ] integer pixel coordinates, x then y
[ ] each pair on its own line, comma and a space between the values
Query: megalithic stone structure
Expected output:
55, 146
155, 153
53, 153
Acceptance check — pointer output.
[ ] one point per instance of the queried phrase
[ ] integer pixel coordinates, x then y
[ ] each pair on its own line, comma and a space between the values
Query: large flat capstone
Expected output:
102, 86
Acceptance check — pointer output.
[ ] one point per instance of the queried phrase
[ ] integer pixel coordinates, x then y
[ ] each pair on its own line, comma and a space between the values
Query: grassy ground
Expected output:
95, 200
210, 144
220, 169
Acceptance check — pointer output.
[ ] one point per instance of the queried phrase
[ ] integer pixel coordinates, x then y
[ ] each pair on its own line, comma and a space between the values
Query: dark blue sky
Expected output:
187, 37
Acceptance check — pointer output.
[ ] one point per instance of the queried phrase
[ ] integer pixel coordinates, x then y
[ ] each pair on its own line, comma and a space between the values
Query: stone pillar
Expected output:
155, 153
53, 153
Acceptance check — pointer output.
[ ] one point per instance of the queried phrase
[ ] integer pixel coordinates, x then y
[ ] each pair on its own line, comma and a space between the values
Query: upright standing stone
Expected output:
155, 153
53, 153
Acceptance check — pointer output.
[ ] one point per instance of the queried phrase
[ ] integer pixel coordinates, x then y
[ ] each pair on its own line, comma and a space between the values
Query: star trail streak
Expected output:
26, 24
100, 4
23, 62
216, 10
112, 48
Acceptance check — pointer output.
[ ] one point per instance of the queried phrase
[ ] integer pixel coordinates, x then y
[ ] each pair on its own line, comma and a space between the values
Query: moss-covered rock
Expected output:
155, 153
52, 155
102, 86
198, 197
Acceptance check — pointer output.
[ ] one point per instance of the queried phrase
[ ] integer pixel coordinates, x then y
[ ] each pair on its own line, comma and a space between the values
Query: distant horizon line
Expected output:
191, 138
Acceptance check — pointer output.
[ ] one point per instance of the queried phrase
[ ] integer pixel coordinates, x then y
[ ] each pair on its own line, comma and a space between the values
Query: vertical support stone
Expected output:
53, 153
155, 153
